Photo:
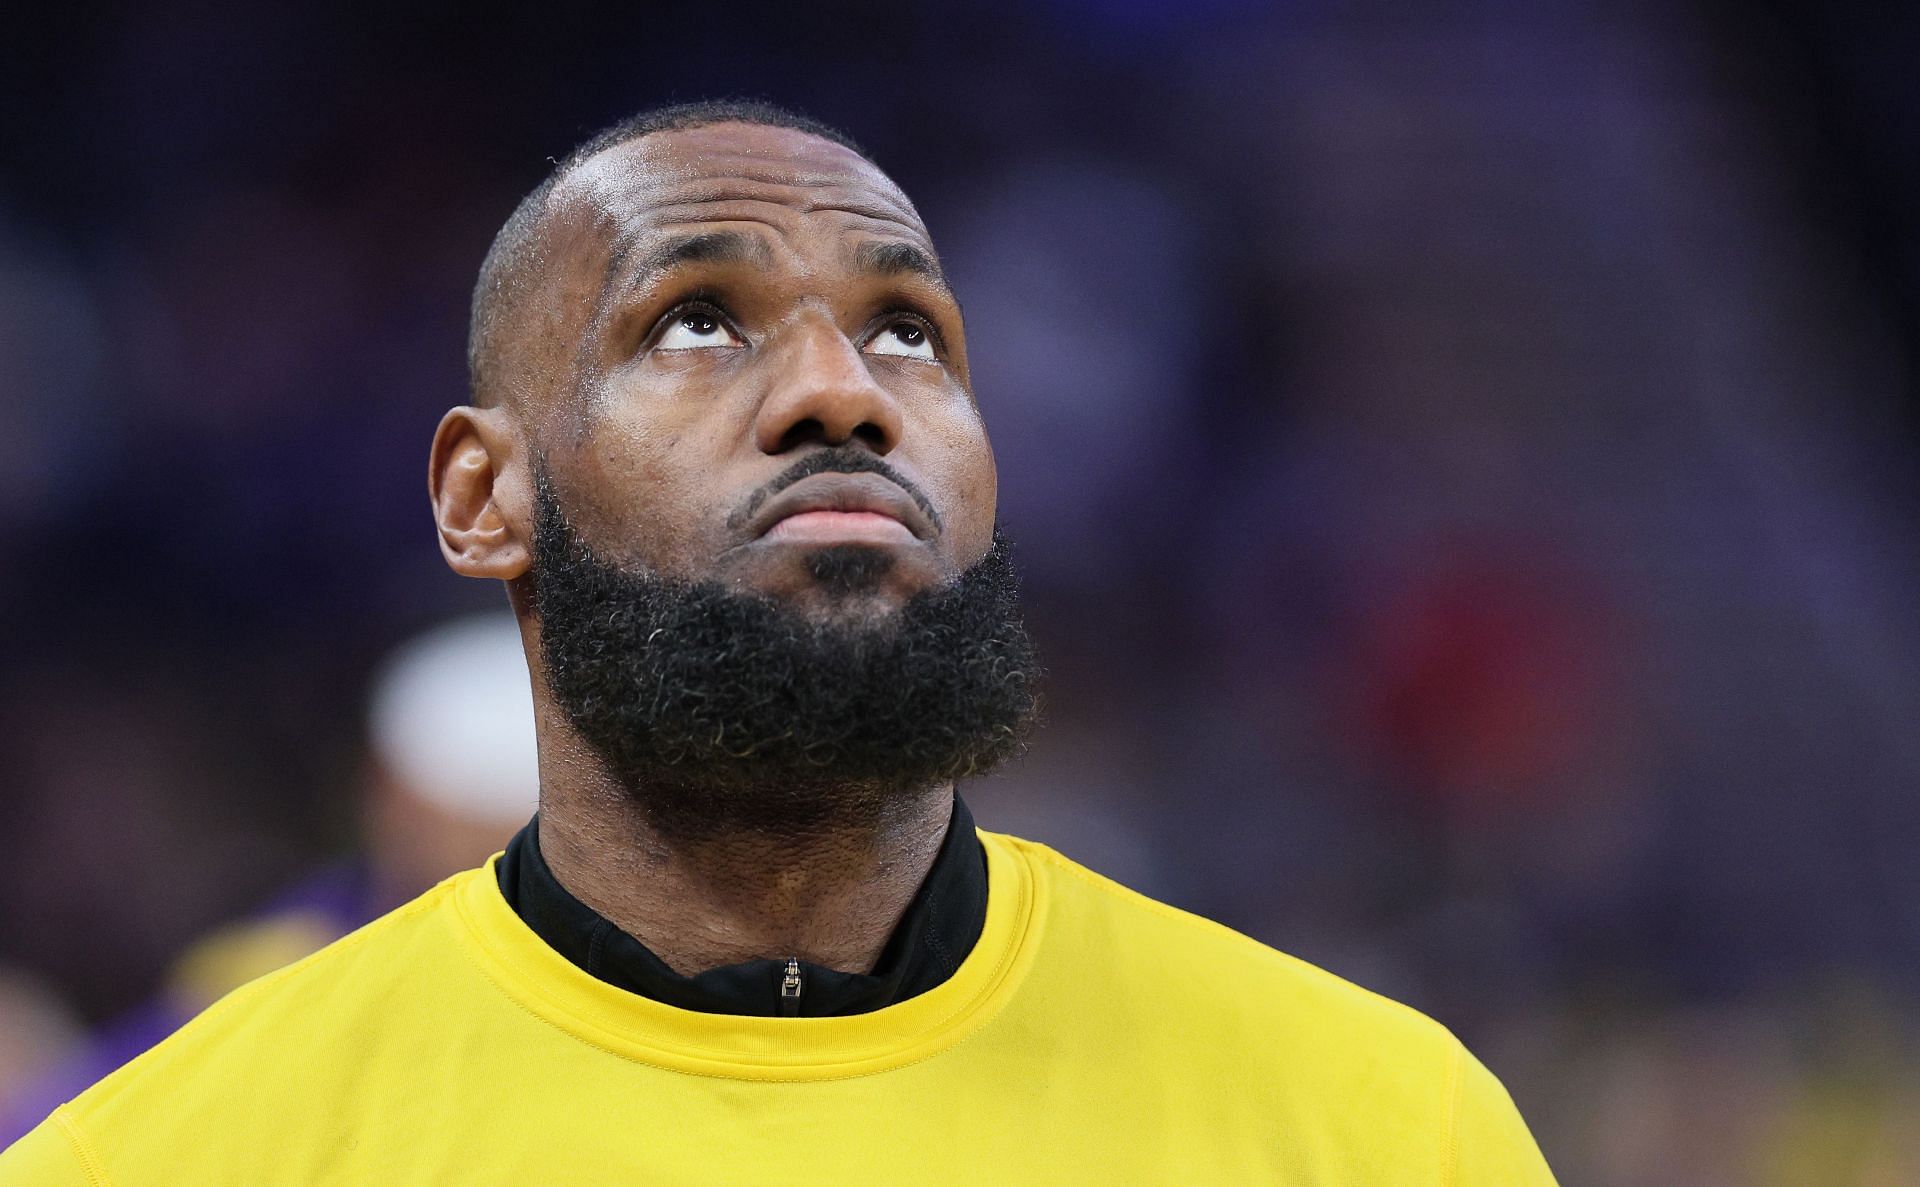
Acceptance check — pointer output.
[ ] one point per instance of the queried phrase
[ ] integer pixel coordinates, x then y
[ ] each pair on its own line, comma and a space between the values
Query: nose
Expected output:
823, 392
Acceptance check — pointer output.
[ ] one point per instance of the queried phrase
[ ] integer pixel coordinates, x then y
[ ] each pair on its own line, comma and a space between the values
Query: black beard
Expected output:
720, 711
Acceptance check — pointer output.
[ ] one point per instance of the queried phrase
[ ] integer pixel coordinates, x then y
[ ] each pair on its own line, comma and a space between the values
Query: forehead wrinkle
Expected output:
710, 171
861, 200
791, 180
782, 216
639, 194
784, 221
691, 164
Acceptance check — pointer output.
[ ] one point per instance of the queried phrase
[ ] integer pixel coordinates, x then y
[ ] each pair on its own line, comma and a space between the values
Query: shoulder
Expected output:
358, 963
275, 1034
1191, 953
1376, 1086
49, 1156
1200, 984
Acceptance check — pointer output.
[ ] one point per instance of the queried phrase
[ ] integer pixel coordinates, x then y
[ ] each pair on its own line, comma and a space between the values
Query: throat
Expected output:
824, 896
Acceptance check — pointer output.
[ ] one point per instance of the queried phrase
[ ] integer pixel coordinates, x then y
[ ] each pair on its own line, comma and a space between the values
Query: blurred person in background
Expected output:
450, 772
37, 1032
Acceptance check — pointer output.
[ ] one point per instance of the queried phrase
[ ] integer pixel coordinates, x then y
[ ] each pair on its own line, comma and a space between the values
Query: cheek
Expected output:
639, 490
964, 461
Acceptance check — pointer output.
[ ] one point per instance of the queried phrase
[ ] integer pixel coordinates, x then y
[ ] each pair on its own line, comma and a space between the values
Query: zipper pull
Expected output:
790, 986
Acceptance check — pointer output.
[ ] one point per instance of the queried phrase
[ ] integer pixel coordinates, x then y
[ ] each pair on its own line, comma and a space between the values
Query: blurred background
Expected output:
1464, 460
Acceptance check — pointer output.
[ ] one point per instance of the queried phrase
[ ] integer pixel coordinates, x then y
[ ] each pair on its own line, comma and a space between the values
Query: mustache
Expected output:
836, 459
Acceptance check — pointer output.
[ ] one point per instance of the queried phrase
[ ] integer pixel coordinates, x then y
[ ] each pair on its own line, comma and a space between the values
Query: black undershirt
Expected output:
939, 928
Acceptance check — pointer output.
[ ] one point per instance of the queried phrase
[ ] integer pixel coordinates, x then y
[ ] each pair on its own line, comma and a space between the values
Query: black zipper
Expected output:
790, 987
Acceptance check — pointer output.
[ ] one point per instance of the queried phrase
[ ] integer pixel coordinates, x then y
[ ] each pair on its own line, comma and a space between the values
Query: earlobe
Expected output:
472, 479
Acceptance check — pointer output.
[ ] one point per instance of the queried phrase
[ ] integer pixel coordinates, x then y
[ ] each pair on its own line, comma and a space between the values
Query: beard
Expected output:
721, 711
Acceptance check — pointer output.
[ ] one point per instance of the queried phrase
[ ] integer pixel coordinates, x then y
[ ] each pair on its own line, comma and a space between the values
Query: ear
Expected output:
478, 484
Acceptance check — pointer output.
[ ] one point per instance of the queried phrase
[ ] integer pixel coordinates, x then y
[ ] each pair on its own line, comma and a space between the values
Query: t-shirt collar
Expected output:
933, 937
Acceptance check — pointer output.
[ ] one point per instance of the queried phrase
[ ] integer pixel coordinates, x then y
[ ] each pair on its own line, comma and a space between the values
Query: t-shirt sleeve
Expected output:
1491, 1144
47, 1157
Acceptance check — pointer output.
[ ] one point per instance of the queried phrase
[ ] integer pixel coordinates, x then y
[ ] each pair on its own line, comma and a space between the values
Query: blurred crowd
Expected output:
1464, 464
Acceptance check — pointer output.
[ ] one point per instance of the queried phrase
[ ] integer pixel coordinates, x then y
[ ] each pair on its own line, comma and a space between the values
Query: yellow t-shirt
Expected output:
1092, 1036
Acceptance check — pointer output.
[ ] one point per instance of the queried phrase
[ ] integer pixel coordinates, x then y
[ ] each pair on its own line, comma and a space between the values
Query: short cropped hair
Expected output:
502, 272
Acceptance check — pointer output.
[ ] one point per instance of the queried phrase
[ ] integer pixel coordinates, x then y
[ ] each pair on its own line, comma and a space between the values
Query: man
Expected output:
724, 455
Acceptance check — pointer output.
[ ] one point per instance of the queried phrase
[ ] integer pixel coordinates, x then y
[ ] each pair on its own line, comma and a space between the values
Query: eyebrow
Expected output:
703, 247
893, 258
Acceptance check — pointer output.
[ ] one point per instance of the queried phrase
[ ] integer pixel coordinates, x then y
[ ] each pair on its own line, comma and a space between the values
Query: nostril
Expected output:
812, 431
803, 432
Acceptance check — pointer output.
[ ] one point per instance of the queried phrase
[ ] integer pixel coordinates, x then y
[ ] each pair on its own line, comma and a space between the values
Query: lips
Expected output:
834, 506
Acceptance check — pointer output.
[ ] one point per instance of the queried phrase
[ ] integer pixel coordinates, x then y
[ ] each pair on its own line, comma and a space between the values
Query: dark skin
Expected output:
706, 307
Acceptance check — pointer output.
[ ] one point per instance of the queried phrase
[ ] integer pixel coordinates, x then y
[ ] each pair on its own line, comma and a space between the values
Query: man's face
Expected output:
723, 303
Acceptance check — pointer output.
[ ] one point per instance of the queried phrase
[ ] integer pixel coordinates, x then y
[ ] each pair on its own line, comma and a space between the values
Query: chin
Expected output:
837, 579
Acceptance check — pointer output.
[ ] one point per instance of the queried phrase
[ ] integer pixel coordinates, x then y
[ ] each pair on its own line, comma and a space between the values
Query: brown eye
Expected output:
696, 329
903, 339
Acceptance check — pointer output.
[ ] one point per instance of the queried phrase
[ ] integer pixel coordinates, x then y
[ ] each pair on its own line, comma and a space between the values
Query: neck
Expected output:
830, 893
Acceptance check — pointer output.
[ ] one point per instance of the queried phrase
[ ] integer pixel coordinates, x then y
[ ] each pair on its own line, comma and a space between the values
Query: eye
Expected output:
695, 328
904, 339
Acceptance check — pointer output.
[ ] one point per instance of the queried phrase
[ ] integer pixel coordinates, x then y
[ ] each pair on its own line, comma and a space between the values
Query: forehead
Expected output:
791, 182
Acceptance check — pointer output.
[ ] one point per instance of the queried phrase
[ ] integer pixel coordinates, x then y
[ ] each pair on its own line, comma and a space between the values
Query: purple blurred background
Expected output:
1465, 469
